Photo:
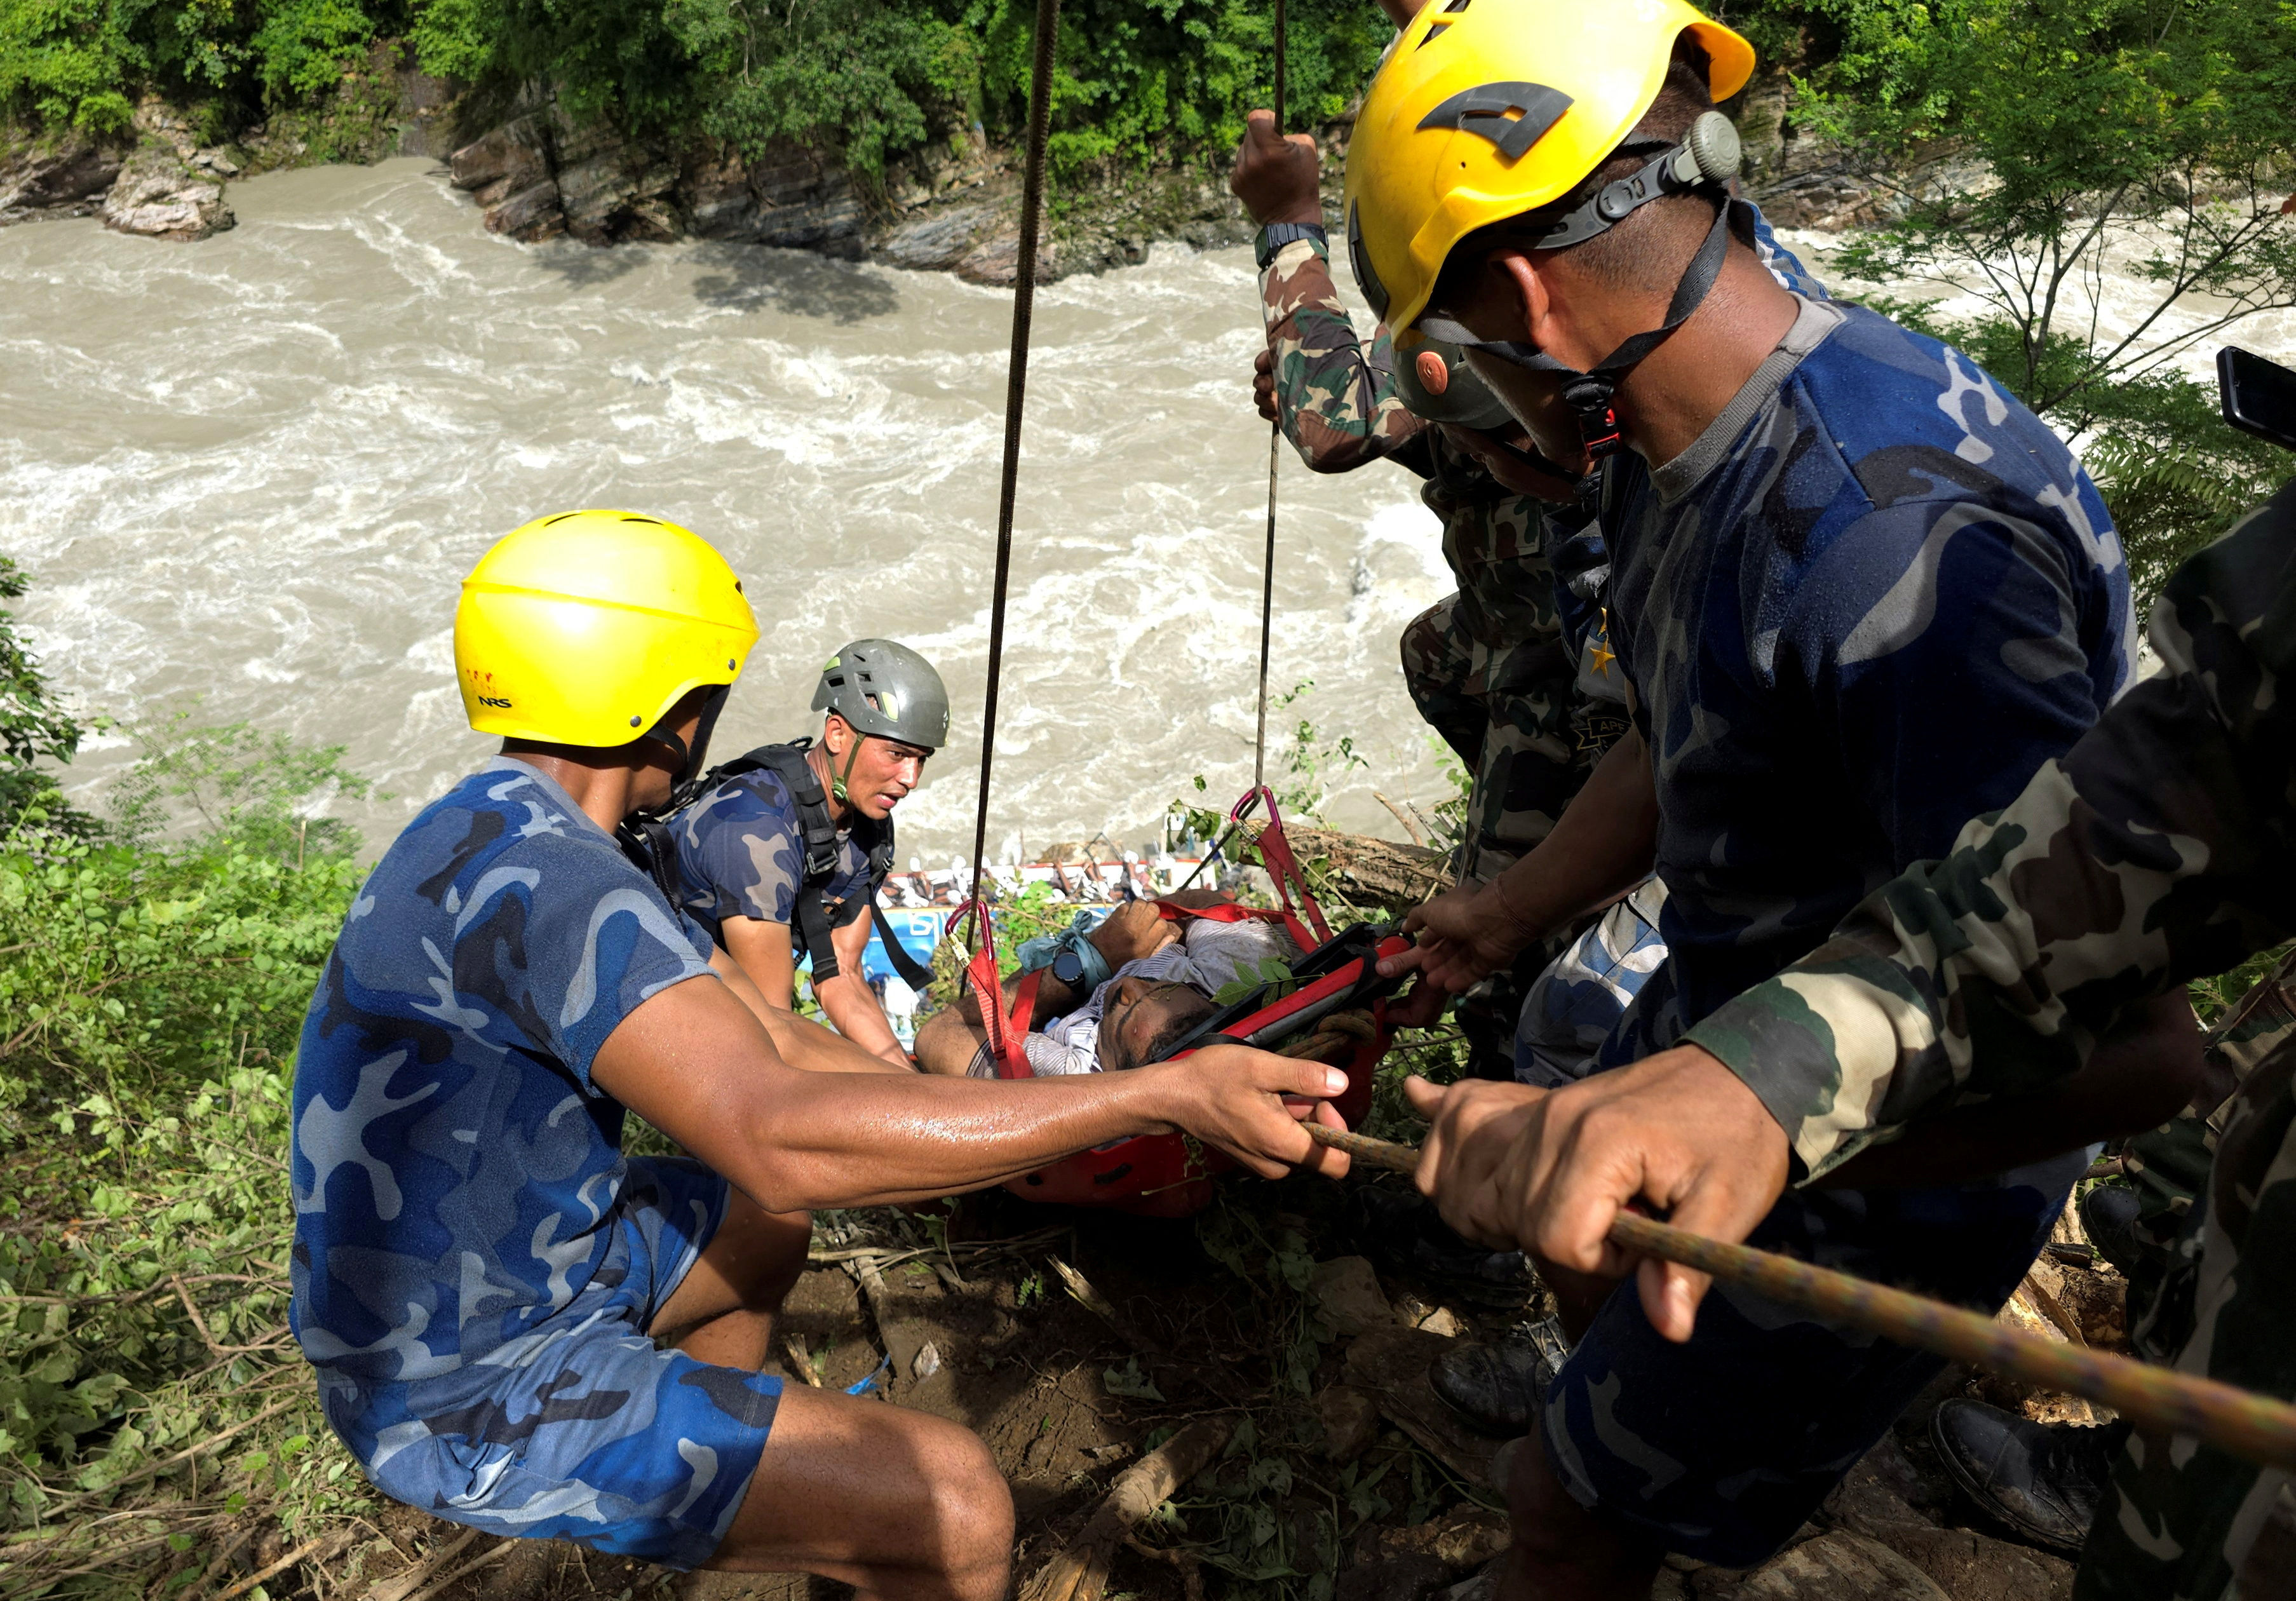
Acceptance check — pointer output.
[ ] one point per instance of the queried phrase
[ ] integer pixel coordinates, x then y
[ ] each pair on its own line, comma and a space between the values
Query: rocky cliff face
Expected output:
161, 195
67, 178
952, 208
163, 182
166, 186
537, 175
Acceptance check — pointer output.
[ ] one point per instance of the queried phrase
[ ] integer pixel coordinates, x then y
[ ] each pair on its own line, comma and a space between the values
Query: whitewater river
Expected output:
246, 475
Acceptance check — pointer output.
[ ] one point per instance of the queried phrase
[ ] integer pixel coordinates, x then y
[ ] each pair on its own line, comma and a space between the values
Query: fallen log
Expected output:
1372, 872
1080, 1571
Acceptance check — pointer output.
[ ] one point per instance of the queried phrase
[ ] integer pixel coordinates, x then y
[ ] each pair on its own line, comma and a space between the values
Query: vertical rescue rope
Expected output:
1016, 384
1274, 447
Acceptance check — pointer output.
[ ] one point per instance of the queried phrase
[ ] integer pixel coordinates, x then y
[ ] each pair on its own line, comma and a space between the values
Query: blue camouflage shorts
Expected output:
1722, 1448
1573, 1006
585, 1430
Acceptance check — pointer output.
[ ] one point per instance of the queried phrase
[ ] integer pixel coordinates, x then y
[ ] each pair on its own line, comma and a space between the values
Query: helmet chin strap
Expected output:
1591, 394
838, 775
690, 758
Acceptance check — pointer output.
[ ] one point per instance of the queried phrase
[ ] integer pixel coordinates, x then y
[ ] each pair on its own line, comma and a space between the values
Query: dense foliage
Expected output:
2029, 149
878, 76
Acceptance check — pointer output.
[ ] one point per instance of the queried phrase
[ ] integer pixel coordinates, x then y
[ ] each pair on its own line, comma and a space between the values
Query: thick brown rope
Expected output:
1016, 386
1275, 445
2255, 1428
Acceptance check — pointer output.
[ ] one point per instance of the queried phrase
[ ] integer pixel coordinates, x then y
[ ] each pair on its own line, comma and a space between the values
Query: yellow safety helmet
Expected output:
586, 628
1486, 108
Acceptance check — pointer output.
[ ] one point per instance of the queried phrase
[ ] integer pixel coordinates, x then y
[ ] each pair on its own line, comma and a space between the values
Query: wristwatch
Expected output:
1275, 235
1069, 968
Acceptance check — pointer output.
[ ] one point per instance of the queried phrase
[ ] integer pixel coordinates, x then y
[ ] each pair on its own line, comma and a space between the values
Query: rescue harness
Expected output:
647, 841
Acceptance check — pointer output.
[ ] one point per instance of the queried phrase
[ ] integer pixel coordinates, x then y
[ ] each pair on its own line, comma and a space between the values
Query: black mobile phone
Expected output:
2259, 396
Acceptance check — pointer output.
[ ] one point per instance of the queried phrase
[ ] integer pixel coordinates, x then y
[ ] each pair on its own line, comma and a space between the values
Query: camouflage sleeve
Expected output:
1337, 398
2161, 849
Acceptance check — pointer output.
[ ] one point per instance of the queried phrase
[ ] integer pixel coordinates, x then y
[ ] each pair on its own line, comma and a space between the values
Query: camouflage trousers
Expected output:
2185, 1519
1500, 711
1503, 711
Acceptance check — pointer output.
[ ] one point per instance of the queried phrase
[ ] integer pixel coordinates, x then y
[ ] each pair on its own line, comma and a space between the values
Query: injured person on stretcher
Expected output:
1146, 979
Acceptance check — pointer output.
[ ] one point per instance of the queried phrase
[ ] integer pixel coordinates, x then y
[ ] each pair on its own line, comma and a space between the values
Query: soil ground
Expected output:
989, 1336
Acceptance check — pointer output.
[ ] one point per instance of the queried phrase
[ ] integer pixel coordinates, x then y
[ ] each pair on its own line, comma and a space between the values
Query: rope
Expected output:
1274, 443
1016, 385
2255, 1428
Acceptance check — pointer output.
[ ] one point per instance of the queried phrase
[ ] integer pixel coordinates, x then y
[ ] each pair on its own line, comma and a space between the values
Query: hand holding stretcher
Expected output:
1169, 1175
2254, 1427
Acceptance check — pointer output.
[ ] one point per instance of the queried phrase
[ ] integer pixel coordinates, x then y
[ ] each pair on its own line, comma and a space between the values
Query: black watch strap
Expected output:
1275, 235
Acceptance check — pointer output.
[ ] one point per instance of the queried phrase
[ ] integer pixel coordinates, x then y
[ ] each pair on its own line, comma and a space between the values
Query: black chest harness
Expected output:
647, 842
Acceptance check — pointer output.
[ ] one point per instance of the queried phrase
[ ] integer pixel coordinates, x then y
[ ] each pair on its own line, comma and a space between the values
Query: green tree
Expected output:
34, 726
2032, 146
237, 790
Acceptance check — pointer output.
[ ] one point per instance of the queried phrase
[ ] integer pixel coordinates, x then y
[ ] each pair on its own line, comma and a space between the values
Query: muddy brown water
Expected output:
247, 475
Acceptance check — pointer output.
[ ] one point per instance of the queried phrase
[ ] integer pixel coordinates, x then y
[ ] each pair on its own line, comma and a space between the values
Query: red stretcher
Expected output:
1170, 1175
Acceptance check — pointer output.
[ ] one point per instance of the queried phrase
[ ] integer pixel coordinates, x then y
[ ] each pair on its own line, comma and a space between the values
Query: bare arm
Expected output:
762, 951
802, 1043
848, 1001
696, 1063
1601, 847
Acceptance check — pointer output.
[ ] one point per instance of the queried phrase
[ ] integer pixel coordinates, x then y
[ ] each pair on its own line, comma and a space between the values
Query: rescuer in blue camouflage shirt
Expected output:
1857, 591
482, 1274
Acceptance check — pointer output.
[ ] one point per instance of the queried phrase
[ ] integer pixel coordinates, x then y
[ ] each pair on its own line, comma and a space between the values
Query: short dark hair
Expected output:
1632, 254
1173, 1031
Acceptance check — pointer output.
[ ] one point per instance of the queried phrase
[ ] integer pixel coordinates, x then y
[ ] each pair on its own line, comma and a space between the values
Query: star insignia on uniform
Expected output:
1600, 655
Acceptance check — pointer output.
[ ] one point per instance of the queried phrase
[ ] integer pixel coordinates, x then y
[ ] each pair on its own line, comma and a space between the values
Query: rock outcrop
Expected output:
161, 195
539, 176
952, 207
68, 178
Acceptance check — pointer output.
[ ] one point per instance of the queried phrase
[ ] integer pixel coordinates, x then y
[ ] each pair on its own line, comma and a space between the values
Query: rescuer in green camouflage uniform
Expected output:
1490, 667
2161, 849
1487, 667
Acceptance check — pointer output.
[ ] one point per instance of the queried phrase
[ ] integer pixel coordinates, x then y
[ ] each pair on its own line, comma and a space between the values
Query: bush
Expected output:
153, 997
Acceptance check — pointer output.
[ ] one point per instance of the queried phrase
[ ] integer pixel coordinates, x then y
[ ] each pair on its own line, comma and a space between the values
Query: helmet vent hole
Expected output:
1456, 7
1433, 33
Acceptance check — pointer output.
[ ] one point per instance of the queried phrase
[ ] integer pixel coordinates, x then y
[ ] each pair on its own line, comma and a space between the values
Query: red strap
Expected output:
1005, 1034
1223, 911
1283, 868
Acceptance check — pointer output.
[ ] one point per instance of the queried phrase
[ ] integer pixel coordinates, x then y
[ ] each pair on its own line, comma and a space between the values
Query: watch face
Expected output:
1069, 968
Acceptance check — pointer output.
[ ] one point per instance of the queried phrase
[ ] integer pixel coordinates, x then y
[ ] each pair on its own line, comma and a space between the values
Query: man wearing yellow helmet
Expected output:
480, 1274
1512, 670
1859, 594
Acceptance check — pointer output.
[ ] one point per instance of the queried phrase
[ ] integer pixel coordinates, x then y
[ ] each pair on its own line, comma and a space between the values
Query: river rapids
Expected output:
245, 477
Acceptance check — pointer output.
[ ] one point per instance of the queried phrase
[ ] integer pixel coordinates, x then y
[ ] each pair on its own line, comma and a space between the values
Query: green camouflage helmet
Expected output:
887, 689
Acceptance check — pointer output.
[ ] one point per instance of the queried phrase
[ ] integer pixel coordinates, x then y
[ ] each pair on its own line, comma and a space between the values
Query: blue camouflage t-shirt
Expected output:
1864, 607
453, 1162
741, 853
